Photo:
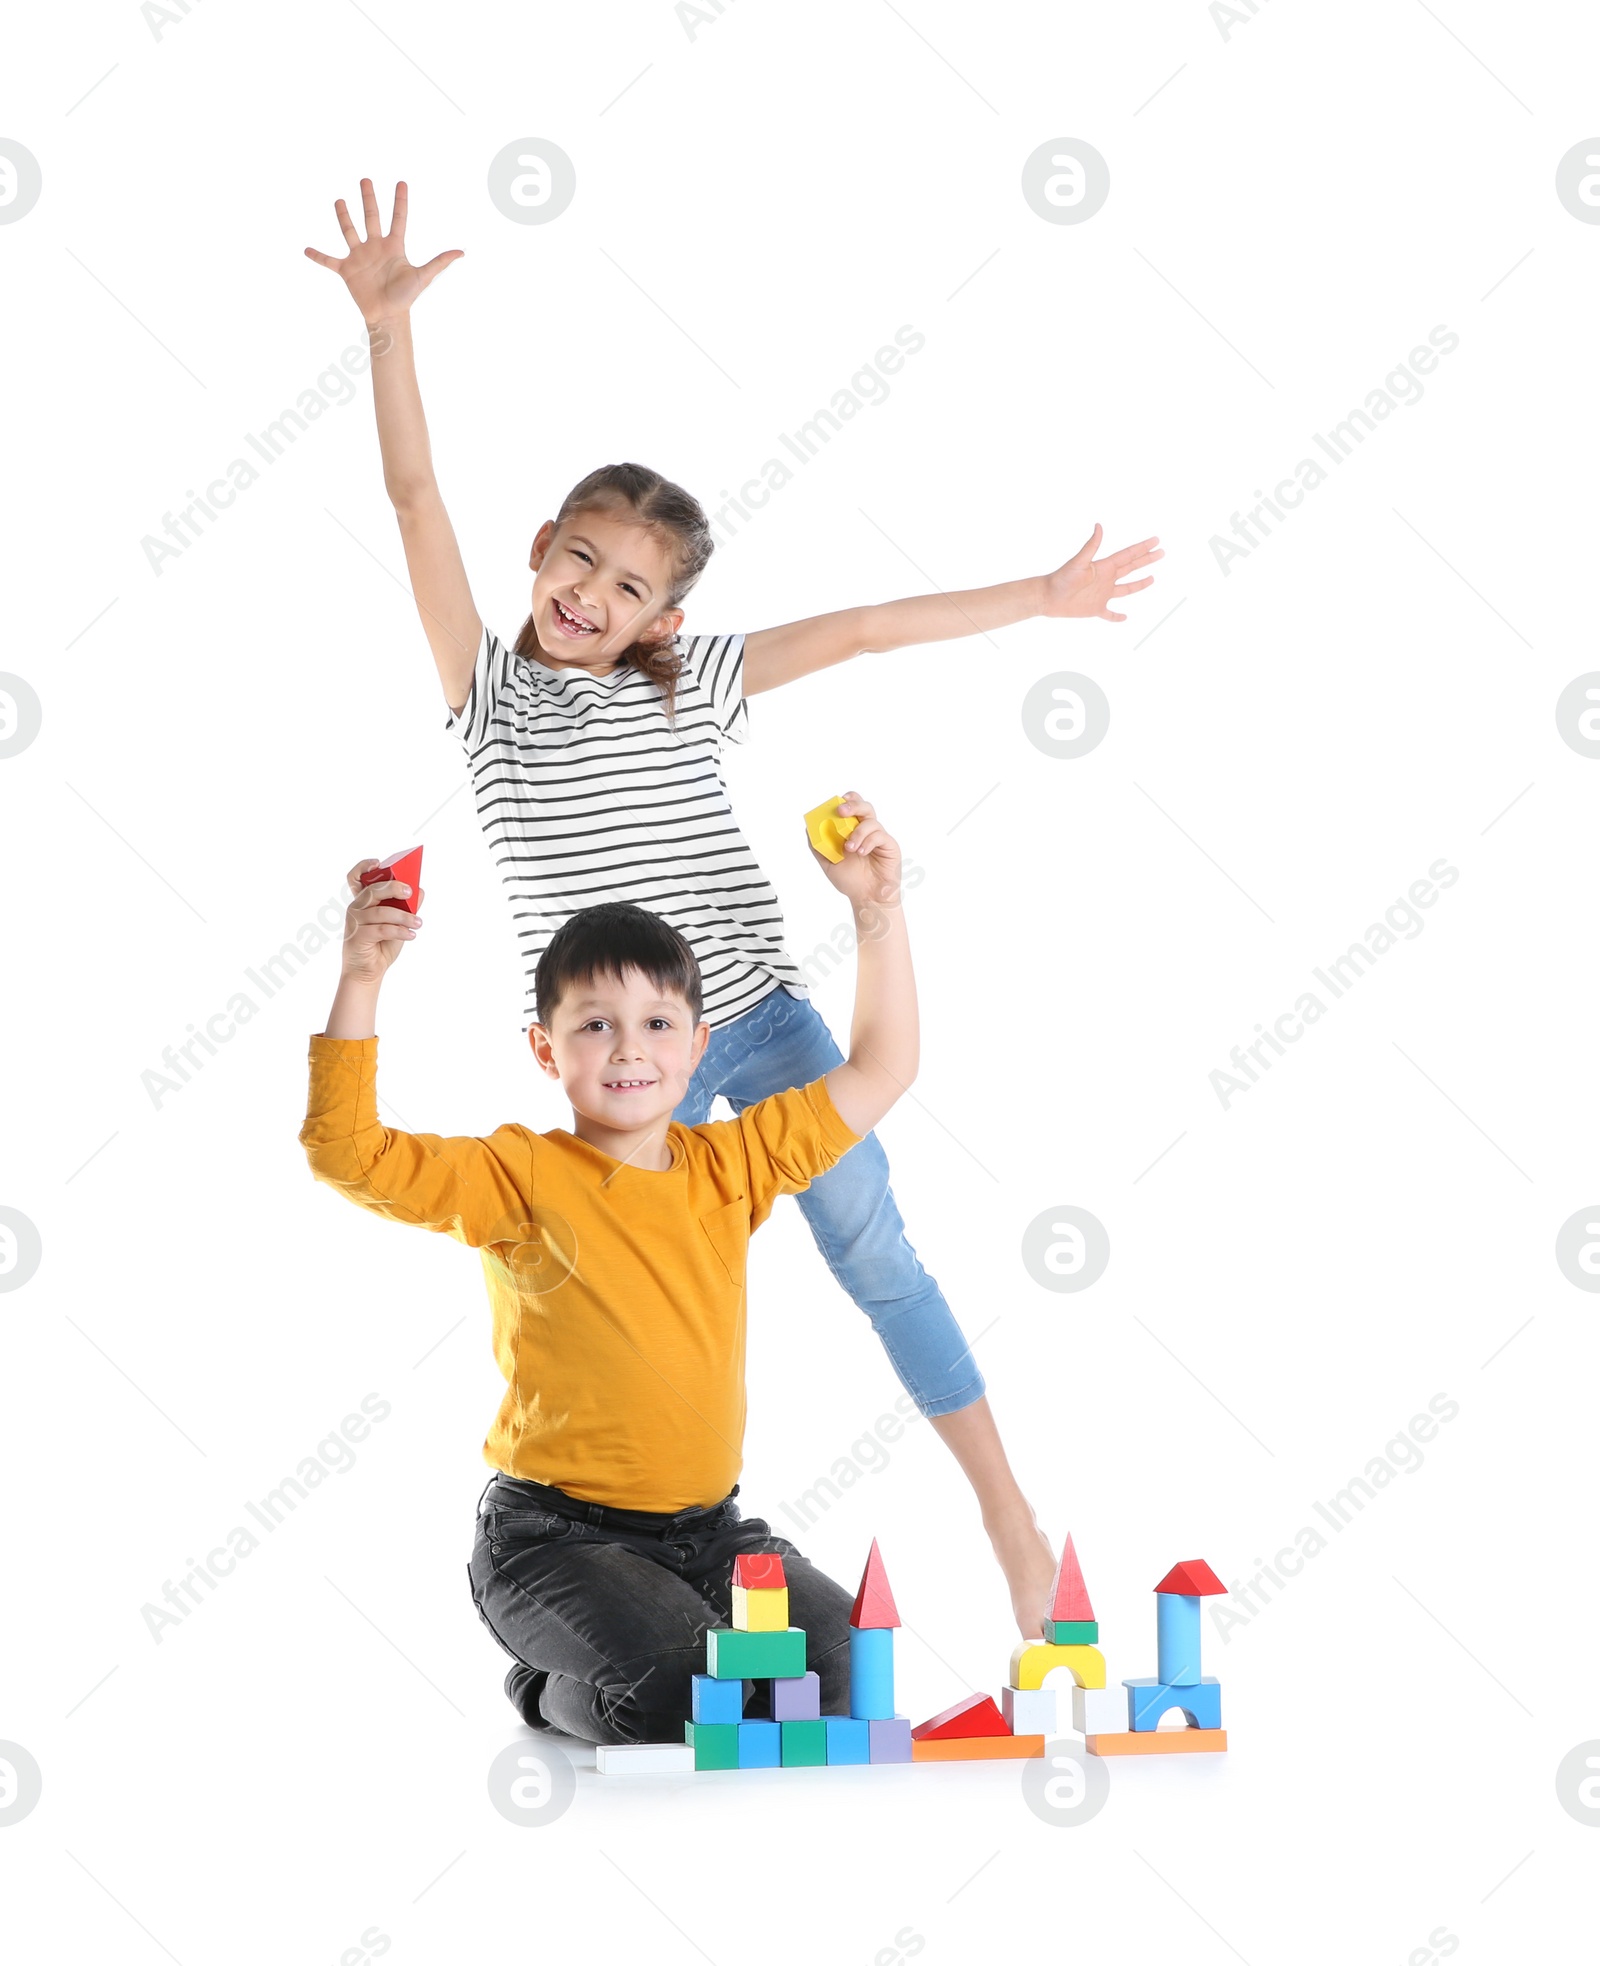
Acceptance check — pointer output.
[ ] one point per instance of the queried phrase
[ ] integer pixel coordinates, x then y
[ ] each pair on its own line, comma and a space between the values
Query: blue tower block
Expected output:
872, 1673
1149, 1699
1177, 1639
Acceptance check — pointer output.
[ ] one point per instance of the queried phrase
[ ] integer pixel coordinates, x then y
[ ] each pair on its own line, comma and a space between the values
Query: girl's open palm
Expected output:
382, 281
1086, 586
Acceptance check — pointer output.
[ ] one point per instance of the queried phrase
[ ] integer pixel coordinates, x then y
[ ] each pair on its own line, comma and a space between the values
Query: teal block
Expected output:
715, 1745
755, 1655
760, 1744
716, 1702
1071, 1631
805, 1743
848, 1742
1149, 1699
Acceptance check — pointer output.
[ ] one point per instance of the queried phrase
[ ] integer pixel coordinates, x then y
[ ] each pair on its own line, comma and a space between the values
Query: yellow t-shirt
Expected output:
618, 1293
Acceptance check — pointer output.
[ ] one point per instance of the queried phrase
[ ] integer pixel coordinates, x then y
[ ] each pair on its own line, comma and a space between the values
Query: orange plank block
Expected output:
981, 1747
1161, 1740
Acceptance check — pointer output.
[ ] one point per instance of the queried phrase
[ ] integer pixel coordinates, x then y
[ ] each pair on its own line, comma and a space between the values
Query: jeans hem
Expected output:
952, 1402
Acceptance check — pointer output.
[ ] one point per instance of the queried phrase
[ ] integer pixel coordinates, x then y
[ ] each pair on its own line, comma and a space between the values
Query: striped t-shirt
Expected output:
587, 793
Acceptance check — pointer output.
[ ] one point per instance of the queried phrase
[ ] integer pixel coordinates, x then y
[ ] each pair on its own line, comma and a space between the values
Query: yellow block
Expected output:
827, 832
763, 1611
1032, 1660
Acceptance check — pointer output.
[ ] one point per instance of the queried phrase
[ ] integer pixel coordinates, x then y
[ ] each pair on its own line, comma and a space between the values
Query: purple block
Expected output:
799, 1699
889, 1740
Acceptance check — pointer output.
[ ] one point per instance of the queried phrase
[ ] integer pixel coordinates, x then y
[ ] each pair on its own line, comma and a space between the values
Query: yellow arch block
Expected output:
1032, 1660
827, 830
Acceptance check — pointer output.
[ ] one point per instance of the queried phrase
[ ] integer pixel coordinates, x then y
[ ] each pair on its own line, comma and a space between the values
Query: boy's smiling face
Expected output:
625, 1054
601, 584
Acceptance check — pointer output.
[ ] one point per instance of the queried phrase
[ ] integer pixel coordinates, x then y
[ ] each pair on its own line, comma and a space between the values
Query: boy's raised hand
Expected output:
1086, 586
869, 873
382, 281
375, 933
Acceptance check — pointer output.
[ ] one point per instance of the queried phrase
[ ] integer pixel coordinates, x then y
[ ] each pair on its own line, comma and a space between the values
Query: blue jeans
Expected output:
850, 1210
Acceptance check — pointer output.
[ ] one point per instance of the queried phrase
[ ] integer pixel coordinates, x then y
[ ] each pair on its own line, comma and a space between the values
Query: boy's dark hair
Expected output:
636, 493
604, 941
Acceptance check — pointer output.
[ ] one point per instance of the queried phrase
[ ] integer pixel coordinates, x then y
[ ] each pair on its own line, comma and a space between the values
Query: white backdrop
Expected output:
297, 1768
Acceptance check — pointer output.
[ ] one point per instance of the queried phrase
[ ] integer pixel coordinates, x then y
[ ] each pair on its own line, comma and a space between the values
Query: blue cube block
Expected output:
1149, 1699
872, 1673
848, 1742
760, 1744
716, 1702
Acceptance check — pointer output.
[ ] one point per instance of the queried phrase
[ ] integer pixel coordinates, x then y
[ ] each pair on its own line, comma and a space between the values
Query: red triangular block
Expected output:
1069, 1595
759, 1571
874, 1605
407, 867
1196, 1578
972, 1719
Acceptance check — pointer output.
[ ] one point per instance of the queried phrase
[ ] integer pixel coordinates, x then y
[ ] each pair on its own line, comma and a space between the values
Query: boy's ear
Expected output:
544, 1057
702, 1037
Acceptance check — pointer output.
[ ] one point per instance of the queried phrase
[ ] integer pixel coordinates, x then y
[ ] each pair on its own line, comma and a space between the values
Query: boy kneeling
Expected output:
615, 1261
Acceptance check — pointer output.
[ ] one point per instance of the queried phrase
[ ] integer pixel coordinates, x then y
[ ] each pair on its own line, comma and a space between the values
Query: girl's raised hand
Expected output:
1087, 586
374, 934
382, 281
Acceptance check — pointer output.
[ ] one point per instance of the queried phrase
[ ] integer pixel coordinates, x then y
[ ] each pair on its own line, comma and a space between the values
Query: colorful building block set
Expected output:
761, 1644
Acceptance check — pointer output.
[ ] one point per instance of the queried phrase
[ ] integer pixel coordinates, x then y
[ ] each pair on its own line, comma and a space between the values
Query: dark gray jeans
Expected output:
605, 1610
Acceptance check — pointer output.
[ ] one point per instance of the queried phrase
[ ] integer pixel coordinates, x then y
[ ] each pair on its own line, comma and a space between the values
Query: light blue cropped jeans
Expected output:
850, 1210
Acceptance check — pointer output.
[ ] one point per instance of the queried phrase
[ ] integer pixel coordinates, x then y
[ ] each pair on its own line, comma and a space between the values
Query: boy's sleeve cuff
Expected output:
834, 1132
322, 1046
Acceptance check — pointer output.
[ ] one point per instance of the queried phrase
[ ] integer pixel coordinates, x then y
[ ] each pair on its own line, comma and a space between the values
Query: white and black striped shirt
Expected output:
587, 793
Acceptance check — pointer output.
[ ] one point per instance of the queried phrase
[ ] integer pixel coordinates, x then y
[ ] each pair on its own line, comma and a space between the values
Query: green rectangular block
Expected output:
1073, 1631
715, 1743
755, 1655
805, 1743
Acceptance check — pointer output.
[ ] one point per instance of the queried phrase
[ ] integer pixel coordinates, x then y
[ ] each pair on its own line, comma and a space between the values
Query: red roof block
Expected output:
972, 1719
874, 1605
1069, 1595
404, 866
754, 1571
1196, 1578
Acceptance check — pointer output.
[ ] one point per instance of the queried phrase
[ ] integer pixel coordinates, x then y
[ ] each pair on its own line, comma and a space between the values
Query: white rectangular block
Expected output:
1099, 1710
1029, 1713
646, 1758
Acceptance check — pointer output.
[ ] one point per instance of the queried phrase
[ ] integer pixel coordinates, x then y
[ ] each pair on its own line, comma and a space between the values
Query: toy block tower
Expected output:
1071, 1639
873, 1619
760, 1643
1178, 1681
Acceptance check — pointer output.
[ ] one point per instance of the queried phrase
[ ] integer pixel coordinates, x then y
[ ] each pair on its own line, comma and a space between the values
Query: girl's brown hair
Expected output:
635, 492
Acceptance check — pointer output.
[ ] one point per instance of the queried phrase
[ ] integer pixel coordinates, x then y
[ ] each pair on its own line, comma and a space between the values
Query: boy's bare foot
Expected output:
1023, 1553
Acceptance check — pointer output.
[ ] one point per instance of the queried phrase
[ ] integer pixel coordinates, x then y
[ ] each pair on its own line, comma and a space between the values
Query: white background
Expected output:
1292, 1278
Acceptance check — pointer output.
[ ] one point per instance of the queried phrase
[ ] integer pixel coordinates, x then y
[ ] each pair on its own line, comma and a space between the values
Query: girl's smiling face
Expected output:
600, 585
